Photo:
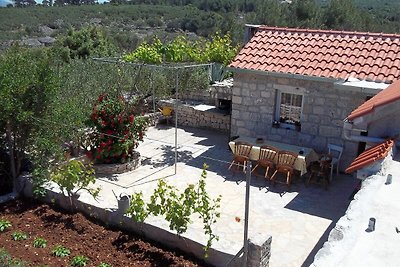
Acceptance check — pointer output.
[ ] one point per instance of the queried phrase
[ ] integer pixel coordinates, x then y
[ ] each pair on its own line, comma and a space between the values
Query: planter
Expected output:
117, 168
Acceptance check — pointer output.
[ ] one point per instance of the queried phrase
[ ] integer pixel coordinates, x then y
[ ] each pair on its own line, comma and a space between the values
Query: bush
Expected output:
118, 130
74, 176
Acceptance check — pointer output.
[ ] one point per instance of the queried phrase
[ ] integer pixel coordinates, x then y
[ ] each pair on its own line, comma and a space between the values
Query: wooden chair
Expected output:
266, 159
241, 155
285, 164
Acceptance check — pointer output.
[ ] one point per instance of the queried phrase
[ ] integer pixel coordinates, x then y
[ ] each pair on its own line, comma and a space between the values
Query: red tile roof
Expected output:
386, 96
322, 53
371, 155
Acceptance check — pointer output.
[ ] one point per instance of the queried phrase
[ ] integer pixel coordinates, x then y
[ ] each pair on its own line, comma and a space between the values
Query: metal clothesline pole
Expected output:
176, 118
246, 214
152, 91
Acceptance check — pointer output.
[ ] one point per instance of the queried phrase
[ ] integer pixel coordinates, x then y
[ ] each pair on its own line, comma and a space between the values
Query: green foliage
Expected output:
7, 260
145, 53
79, 261
60, 251
74, 176
343, 15
137, 208
87, 42
218, 49
19, 236
118, 130
40, 242
104, 265
4, 225
179, 207
27, 84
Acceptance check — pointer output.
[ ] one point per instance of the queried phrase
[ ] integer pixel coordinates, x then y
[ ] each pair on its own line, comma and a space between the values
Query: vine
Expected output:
178, 207
219, 49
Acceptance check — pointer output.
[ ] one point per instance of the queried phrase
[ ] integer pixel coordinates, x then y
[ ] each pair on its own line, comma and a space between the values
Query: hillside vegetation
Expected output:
129, 23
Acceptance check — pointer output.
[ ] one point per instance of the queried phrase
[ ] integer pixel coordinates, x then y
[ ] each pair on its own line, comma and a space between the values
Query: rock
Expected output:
31, 42
46, 30
47, 40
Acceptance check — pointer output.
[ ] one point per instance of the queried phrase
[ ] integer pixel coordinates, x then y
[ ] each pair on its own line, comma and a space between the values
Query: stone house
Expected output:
298, 85
377, 116
355, 241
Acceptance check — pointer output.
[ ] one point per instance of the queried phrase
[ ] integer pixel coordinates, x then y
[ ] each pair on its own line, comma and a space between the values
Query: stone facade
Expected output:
324, 109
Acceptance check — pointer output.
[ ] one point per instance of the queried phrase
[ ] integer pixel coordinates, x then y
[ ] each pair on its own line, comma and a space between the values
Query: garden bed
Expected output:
81, 236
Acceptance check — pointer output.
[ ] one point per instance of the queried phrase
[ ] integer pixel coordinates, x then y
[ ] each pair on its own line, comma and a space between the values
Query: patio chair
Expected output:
266, 159
241, 155
166, 114
336, 152
285, 164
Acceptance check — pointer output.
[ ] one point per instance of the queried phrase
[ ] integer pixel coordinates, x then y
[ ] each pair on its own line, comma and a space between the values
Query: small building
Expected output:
368, 233
297, 86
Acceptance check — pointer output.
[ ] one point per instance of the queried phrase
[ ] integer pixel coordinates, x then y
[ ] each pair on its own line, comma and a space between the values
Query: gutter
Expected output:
348, 127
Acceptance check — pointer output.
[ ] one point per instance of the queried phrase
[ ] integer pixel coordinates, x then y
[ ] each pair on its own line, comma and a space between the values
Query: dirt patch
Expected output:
82, 236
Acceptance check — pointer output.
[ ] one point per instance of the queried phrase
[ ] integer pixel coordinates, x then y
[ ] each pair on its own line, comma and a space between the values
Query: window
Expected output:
289, 107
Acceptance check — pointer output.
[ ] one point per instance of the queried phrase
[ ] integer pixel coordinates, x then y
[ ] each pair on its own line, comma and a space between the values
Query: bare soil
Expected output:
82, 236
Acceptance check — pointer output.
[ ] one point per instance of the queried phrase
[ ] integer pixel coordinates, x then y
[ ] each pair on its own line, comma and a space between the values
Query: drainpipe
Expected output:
348, 127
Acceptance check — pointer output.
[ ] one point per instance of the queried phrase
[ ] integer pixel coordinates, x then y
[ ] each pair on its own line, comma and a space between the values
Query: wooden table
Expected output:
303, 160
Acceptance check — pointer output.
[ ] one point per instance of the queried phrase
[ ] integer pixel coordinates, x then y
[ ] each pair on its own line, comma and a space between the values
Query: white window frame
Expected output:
293, 91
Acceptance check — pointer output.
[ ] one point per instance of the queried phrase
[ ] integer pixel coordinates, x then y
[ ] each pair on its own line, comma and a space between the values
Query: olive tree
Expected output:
27, 84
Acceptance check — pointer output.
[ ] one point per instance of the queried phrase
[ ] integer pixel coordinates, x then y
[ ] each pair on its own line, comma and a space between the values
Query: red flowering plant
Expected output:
118, 130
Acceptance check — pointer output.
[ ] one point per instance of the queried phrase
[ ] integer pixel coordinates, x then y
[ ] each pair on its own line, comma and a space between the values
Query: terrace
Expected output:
299, 221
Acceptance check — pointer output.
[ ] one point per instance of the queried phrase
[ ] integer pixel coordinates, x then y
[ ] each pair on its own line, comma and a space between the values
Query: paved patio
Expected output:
298, 221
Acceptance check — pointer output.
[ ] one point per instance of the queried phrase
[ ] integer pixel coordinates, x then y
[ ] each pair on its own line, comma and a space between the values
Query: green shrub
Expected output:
40, 242
4, 225
19, 236
6, 260
60, 251
79, 261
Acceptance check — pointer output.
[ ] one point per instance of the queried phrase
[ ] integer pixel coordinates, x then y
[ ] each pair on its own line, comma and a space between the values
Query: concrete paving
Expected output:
298, 221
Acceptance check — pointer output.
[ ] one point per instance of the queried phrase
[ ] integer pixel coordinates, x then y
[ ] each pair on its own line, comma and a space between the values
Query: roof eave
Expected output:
283, 75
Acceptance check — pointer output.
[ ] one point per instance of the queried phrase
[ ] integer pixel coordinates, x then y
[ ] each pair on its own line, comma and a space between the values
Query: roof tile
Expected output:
336, 54
371, 155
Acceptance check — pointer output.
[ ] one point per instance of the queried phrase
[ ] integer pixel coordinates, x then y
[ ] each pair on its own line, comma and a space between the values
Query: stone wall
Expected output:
324, 108
202, 116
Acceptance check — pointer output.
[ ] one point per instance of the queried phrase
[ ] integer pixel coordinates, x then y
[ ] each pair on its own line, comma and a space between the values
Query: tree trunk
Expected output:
10, 144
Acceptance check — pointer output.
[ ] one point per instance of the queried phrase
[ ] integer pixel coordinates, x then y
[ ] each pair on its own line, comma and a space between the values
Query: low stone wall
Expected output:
118, 168
259, 249
200, 115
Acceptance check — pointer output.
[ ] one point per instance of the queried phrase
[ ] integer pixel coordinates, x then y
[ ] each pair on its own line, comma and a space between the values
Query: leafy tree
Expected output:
27, 84
24, 3
272, 13
343, 15
87, 42
304, 13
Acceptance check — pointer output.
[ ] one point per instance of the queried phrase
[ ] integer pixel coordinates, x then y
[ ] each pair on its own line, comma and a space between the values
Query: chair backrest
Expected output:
286, 157
335, 151
242, 148
166, 111
268, 152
